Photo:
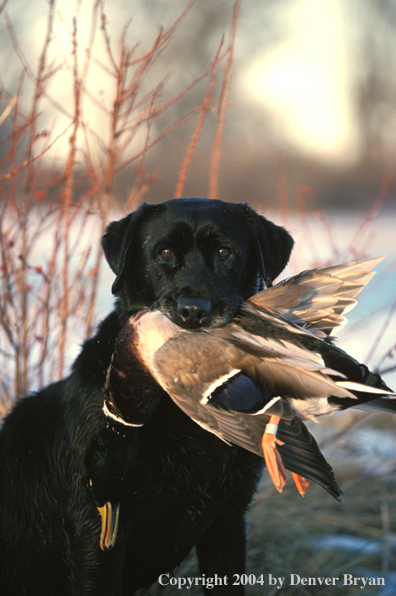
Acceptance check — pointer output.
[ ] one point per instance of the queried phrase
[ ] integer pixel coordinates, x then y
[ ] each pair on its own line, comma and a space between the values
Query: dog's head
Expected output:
193, 259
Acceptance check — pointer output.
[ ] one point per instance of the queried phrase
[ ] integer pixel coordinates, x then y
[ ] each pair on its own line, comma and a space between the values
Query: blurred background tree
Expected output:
312, 90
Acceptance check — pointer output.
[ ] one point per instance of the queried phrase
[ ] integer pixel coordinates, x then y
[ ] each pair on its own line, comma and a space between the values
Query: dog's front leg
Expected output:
221, 554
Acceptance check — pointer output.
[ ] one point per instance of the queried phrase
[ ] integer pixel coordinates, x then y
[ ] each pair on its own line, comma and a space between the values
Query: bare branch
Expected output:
35, 157
222, 106
195, 136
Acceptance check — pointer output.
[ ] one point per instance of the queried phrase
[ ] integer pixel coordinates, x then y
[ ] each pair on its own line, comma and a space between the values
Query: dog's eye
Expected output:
224, 253
166, 253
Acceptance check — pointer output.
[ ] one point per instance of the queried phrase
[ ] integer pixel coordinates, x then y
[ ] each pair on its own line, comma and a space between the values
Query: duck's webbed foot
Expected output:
274, 462
301, 483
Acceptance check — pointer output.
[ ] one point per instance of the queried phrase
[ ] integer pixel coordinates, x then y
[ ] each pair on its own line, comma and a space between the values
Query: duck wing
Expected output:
317, 299
230, 385
193, 365
309, 366
279, 357
217, 405
191, 380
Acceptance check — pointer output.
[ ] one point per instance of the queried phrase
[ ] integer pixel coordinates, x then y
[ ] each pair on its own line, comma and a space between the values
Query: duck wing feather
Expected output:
318, 298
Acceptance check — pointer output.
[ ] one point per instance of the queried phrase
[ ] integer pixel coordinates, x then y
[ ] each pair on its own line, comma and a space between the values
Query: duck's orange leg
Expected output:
274, 462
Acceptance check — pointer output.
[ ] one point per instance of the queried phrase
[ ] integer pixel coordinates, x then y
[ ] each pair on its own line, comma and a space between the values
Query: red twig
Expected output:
66, 199
380, 333
198, 128
282, 189
28, 162
222, 106
373, 212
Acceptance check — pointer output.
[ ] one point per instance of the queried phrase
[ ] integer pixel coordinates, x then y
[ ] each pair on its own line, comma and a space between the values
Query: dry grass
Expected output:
367, 511
285, 530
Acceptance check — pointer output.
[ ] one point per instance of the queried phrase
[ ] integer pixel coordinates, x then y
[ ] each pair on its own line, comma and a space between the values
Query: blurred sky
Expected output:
302, 79
305, 80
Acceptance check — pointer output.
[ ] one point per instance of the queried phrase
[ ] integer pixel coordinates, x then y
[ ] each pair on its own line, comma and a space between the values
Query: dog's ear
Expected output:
273, 245
116, 243
113, 242
276, 245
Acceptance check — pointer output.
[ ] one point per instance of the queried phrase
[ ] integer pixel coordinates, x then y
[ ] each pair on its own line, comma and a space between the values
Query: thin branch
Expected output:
222, 106
381, 332
385, 371
8, 109
372, 215
3, 5
66, 198
282, 189
198, 128
165, 132
35, 157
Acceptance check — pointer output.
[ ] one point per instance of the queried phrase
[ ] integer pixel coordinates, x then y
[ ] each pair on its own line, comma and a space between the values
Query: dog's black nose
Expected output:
193, 311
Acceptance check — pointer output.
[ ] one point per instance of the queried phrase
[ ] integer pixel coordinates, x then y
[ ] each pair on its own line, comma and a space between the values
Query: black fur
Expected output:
183, 486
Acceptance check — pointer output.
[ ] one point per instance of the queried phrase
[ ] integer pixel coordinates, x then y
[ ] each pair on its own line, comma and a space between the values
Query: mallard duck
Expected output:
270, 367
250, 382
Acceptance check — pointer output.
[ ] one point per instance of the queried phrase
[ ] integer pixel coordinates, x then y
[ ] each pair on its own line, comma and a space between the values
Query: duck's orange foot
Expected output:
274, 462
301, 483
272, 457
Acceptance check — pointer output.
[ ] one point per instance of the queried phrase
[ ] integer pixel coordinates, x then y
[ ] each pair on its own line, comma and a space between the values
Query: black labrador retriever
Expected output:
180, 486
